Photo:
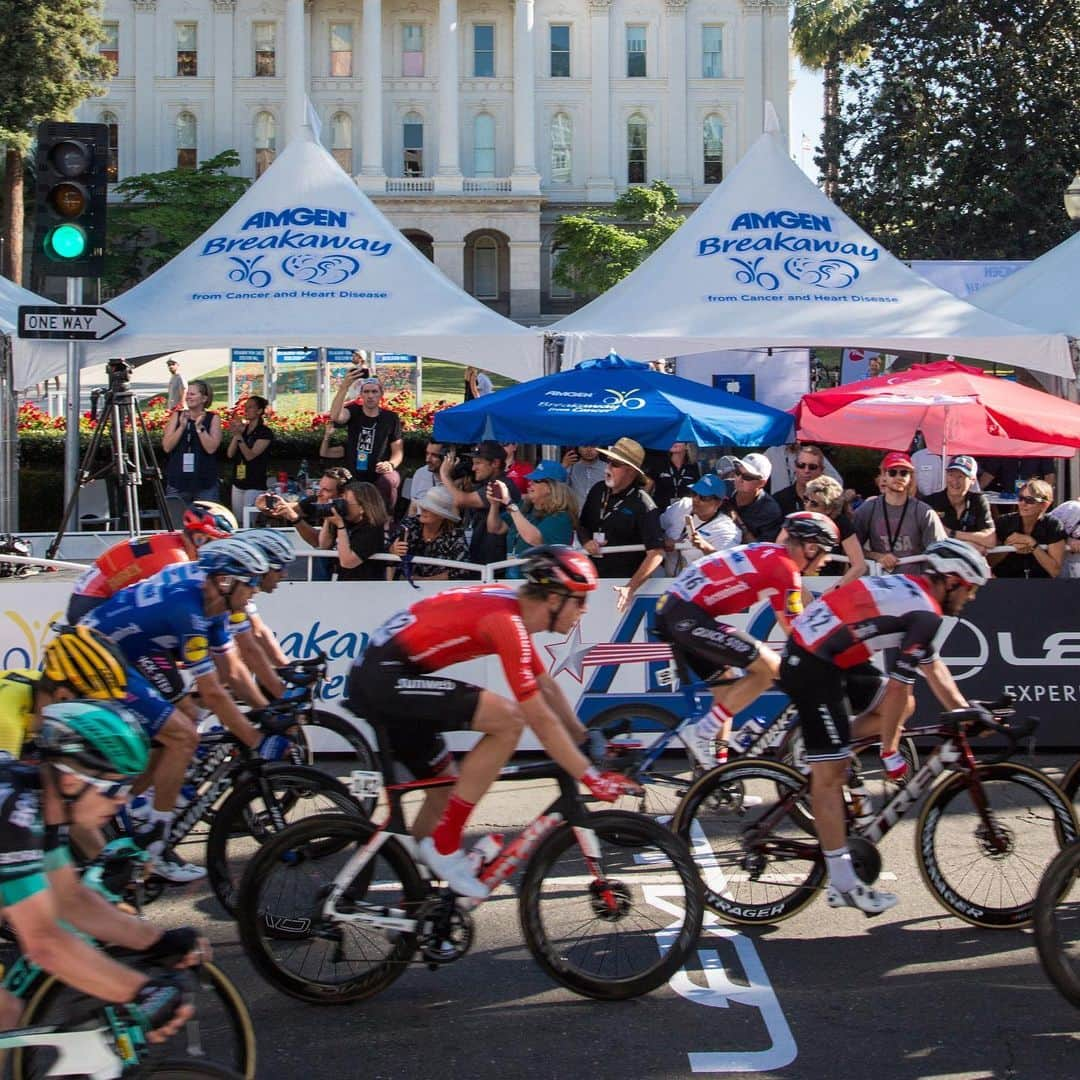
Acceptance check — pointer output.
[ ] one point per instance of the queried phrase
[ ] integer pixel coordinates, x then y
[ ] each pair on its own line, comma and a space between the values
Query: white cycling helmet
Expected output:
233, 557
960, 558
277, 549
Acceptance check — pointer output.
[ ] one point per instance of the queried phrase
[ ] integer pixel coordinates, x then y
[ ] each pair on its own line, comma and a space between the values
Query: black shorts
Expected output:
827, 697
414, 705
699, 642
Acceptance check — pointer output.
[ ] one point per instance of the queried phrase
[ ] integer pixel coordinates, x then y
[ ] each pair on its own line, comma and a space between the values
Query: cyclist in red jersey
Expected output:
688, 616
827, 673
394, 680
135, 560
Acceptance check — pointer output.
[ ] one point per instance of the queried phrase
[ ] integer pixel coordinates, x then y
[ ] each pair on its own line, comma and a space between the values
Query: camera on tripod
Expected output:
119, 372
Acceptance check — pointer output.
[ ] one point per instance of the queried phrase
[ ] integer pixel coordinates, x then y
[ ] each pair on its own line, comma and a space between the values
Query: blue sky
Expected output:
805, 111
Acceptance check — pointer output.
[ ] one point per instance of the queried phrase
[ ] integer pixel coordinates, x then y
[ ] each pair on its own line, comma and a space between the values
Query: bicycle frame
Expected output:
102, 1053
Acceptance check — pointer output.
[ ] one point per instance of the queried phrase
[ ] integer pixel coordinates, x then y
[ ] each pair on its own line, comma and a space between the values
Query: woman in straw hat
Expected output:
435, 533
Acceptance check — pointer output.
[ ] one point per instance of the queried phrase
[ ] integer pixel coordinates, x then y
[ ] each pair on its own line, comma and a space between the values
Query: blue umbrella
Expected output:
600, 401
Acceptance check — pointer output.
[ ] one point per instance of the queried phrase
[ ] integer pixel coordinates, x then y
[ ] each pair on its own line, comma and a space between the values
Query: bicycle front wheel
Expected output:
1057, 922
261, 808
188, 1070
336, 736
221, 1030
318, 959
744, 831
618, 925
983, 841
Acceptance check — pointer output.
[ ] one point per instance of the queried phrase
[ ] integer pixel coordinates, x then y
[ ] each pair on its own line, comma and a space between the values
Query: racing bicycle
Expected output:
1057, 922
335, 908
986, 831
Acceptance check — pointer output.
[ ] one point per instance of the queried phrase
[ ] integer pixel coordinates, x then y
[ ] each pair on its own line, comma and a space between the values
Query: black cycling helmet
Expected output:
560, 569
814, 528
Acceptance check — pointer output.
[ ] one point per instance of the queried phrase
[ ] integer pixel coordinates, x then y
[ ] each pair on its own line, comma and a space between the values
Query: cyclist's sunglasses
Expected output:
111, 789
897, 472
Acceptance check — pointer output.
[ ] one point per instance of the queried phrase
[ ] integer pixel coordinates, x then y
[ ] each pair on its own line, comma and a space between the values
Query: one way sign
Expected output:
59, 322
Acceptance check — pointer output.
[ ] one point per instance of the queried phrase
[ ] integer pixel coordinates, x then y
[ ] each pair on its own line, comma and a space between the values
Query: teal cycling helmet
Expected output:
277, 549
233, 557
95, 737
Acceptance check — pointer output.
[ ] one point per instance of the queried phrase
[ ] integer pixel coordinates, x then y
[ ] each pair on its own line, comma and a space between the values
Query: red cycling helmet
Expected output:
210, 520
558, 568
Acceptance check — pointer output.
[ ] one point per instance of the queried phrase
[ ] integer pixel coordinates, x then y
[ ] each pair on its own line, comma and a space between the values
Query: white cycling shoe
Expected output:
871, 902
455, 869
172, 868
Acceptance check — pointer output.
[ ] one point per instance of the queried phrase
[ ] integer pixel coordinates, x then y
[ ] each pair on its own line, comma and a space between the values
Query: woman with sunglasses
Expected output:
825, 496
1026, 532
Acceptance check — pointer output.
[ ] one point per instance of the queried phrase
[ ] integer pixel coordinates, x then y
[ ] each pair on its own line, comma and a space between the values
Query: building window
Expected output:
484, 145
561, 144
712, 40
635, 52
187, 143
555, 290
637, 149
484, 50
560, 51
412, 49
412, 140
341, 49
714, 150
265, 34
486, 268
265, 142
341, 140
113, 168
187, 52
110, 47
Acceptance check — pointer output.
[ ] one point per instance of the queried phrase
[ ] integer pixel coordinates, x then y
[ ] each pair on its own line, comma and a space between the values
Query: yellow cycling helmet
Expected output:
88, 662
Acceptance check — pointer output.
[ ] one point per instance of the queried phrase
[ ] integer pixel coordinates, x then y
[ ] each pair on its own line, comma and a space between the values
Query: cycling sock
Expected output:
164, 816
841, 869
713, 721
895, 765
447, 834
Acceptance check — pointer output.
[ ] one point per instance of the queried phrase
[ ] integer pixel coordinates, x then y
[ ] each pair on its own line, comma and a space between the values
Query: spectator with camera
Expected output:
249, 451
703, 520
374, 446
434, 532
355, 528
427, 476
191, 439
549, 516
488, 465
309, 513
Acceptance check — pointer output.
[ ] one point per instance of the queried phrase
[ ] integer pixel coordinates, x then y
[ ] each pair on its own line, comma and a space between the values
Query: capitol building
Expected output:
474, 125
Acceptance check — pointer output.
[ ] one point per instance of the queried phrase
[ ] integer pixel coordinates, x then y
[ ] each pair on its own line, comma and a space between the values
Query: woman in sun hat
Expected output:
434, 532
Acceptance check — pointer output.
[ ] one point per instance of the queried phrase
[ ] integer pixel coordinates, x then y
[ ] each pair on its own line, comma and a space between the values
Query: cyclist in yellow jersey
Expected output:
21, 698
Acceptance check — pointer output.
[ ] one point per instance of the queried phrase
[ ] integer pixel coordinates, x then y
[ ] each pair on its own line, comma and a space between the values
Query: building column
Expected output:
295, 84
450, 259
524, 279
224, 11
678, 170
371, 120
146, 140
525, 178
600, 187
777, 62
448, 174
753, 72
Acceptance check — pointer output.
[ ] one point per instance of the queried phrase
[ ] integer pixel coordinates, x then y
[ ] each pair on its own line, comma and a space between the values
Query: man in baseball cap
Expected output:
488, 466
754, 508
964, 511
700, 519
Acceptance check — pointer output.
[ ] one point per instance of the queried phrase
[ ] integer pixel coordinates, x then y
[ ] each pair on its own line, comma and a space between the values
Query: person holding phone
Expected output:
700, 519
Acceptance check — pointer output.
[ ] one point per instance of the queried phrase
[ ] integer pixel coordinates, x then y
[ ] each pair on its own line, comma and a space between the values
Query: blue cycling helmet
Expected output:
233, 557
277, 548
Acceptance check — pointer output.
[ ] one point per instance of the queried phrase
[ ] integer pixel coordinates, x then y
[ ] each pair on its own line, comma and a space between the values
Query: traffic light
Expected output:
72, 184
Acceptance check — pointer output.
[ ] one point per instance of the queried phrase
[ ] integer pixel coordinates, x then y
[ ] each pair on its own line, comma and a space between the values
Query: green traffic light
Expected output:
67, 242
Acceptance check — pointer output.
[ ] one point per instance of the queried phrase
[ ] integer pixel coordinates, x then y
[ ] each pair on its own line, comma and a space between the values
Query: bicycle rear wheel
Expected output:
188, 1070
983, 842
221, 1030
336, 736
756, 862
1071, 783
1057, 922
610, 928
302, 953
278, 797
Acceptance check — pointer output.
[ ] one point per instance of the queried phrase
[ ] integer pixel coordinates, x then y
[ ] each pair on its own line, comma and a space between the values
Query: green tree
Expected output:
961, 132
51, 65
826, 34
600, 247
164, 212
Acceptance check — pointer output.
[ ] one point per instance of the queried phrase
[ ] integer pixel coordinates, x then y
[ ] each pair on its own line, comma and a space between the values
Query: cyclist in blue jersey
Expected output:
178, 619
90, 752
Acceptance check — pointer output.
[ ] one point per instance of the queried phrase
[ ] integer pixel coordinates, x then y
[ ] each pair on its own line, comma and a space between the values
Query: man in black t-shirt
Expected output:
374, 446
619, 511
488, 465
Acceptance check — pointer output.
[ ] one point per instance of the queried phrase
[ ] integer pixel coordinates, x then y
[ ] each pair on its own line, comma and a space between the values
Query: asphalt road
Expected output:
913, 994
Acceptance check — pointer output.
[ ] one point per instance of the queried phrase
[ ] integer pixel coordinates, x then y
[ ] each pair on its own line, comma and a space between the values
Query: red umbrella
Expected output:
959, 410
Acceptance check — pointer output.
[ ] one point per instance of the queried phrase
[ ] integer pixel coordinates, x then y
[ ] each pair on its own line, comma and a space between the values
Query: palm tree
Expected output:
825, 34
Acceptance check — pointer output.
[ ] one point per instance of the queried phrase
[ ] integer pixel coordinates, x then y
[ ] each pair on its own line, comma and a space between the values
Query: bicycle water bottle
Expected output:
862, 803
745, 736
484, 851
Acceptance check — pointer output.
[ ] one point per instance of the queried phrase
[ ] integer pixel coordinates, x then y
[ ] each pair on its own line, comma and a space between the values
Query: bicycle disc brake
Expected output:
609, 900
995, 840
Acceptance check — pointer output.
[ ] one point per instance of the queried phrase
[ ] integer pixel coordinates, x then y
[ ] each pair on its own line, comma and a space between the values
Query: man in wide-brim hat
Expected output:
618, 511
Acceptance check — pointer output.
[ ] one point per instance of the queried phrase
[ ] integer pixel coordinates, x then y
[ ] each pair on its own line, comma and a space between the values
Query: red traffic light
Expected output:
70, 157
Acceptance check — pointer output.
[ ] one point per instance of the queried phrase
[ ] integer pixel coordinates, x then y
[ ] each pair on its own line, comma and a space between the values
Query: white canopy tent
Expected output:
768, 261
11, 297
303, 258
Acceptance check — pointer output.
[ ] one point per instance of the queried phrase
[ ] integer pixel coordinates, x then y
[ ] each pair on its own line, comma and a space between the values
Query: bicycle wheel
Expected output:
671, 774
756, 862
221, 1030
256, 811
188, 1070
284, 933
1070, 785
620, 935
1057, 922
983, 841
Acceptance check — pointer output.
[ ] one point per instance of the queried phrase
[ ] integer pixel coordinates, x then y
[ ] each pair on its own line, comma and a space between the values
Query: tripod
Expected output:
128, 464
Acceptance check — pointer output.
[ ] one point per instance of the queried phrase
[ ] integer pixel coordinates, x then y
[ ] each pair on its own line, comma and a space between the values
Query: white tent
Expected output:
1043, 294
768, 261
11, 297
303, 258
